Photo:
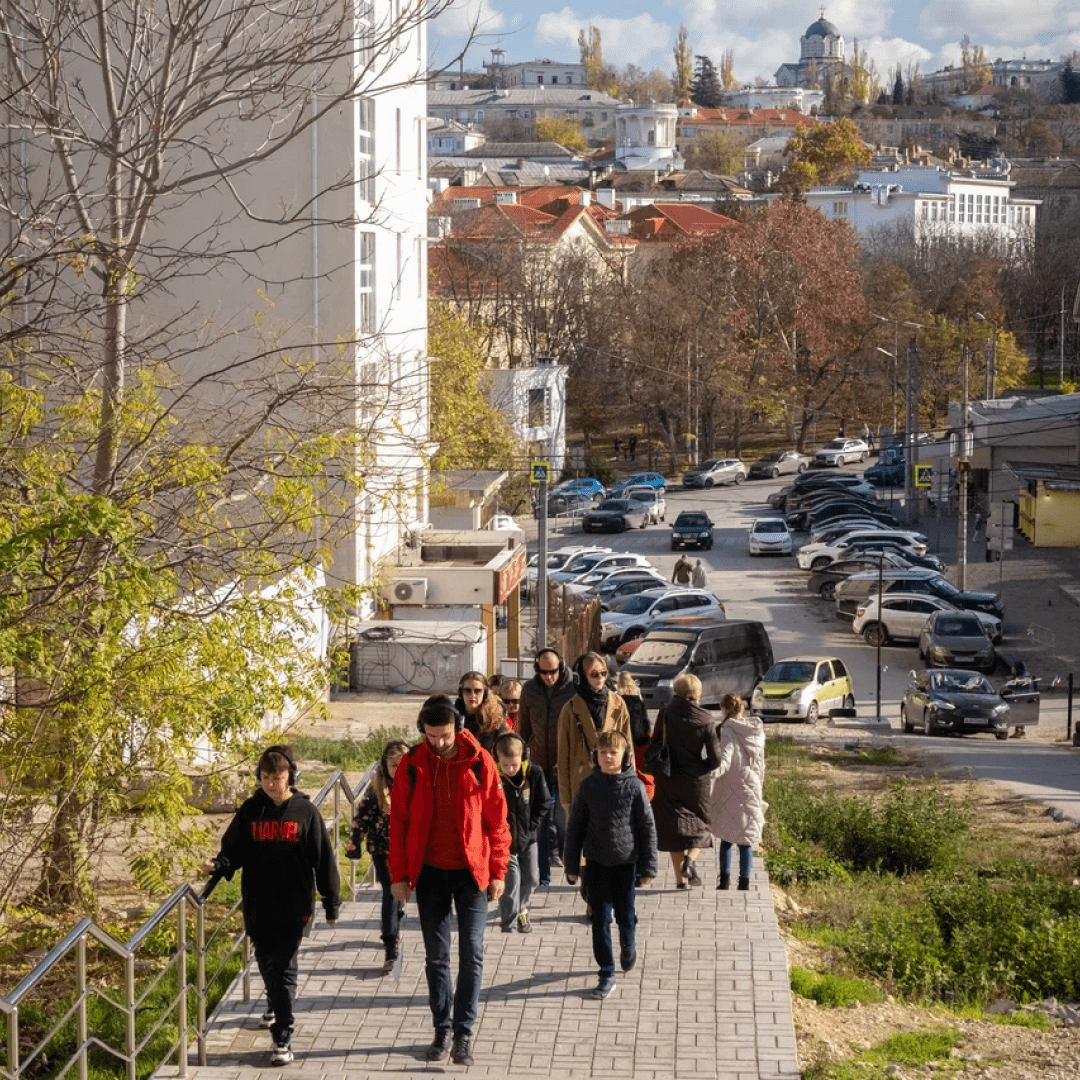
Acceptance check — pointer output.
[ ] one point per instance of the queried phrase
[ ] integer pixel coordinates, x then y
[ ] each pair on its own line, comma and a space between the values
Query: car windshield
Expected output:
770, 527
837, 444
585, 562
658, 652
960, 683
958, 627
946, 588
616, 505
697, 521
798, 671
711, 463
771, 457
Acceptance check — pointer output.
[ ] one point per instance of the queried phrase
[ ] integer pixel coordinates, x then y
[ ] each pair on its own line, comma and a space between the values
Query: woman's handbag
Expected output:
658, 755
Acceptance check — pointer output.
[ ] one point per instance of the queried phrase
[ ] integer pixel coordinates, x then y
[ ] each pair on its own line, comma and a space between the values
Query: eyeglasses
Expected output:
472, 689
548, 670
508, 701
596, 673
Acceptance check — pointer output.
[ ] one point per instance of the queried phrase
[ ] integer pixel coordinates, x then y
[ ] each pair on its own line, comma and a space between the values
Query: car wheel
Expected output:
625, 525
906, 724
1001, 735
820, 561
862, 456
674, 547
739, 478
812, 713
828, 591
840, 460
644, 522
631, 634
708, 483
802, 467
875, 634
776, 472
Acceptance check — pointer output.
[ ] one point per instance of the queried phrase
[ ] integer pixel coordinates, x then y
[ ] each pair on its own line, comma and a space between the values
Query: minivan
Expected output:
728, 658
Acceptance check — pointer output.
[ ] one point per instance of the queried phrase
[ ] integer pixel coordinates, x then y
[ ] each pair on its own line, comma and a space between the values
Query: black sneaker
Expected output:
439, 1050
281, 1054
604, 987
266, 1019
627, 957
461, 1053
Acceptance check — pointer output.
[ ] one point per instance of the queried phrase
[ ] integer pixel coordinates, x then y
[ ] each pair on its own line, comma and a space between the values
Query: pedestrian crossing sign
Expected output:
540, 472
924, 475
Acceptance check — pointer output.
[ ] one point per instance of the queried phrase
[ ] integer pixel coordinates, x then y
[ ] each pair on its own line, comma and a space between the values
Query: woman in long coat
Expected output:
682, 801
482, 709
738, 808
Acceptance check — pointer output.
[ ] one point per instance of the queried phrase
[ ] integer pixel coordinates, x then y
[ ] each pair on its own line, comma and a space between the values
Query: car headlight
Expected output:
938, 652
947, 706
704, 535
999, 710
757, 695
663, 684
800, 695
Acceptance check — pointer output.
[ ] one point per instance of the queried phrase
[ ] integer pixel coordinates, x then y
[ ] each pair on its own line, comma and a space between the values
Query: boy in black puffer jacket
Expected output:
527, 803
611, 824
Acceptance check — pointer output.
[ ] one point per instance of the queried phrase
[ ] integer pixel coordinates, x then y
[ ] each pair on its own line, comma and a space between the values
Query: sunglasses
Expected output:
511, 701
472, 689
548, 670
596, 674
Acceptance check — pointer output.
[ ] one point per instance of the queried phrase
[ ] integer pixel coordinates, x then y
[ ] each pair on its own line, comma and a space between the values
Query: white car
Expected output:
903, 615
601, 574
841, 451
814, 556
770, 536
505, 523
582, 566
641, 612
653, 498
556, 560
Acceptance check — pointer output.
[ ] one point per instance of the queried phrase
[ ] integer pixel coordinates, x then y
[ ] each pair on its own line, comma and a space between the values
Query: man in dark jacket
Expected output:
449, 840
611, 824
527, 806
542, 699
279, 840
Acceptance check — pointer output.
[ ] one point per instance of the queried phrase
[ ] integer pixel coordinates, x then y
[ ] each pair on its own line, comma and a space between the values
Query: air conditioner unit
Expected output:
404, 590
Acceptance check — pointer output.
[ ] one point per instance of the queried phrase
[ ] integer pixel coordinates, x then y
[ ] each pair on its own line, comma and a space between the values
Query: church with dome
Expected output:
821, 57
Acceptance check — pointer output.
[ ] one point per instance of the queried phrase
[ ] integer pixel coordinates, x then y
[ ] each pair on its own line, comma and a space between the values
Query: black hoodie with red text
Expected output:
284, 852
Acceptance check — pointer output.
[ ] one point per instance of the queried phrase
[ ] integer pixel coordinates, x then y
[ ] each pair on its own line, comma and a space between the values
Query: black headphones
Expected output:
553, 652
506, 736
628, 753
286, 753
438, 711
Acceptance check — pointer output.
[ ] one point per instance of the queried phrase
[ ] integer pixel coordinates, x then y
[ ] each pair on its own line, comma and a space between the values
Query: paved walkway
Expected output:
709, 997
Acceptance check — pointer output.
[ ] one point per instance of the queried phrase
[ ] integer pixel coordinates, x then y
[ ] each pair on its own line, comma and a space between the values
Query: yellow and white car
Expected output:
803, 688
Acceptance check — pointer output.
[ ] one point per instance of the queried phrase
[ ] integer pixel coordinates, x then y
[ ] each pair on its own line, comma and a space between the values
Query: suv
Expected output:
903, 615
556, 560
692, 528
814, 556
841, 451
715, 471
889, 470
803, 688
647, 609
931, 584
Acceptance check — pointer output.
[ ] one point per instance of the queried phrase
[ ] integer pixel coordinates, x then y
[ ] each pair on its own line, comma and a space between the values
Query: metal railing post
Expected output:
80, 1017
182, 979
200, 978
129, 1002
13, 1041
245, 952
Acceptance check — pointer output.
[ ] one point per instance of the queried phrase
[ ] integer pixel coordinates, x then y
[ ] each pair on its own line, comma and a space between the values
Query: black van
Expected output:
728, 657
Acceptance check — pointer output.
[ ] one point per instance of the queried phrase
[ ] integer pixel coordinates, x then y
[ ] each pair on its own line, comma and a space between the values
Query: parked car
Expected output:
841, 527
568, 502
577, 568
505, 523
556, 560
641, 479
778, 499
902, 616
841, 508
653, 498
647, 609
956, 639
779, 461
873, 546
616, 515
715, 471
627, 583
953, 701
692, 528
770, 536
917, 580
890, 470
583, 485
825, 580
604, 573
841, 451
811, 556
803, 688
580, 561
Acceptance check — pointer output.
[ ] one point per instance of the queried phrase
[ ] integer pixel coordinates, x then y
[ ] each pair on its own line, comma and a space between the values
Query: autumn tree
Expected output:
682, 77
600, 76
727, 70
643, 86
823, 154
716, 151
864, 82
563, 131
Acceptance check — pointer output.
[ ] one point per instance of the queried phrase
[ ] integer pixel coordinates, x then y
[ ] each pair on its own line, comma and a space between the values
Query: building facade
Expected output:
821, 57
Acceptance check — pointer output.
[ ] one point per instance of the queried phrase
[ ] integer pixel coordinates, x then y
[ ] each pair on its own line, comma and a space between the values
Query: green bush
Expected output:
834, 991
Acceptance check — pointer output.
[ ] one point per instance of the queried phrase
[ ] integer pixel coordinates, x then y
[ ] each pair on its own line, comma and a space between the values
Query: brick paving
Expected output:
709, 997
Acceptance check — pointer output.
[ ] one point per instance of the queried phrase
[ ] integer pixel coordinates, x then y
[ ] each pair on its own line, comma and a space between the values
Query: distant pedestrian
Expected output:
631, 445
611, 825
870, 439
866, 433
699, 577
618, 447
683, 572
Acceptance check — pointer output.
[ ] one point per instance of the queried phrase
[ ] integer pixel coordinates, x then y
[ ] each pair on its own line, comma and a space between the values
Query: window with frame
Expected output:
538, 407
840, 209
365, 284
365, 154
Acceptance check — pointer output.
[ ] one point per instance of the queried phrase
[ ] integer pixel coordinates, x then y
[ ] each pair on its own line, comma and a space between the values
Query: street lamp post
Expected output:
886, 352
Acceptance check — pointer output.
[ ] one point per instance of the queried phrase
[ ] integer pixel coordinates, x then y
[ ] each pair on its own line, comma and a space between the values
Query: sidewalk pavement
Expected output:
709, 997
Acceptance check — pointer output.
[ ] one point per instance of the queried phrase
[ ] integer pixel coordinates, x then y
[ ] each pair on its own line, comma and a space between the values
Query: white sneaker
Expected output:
267, 1019
281, 1054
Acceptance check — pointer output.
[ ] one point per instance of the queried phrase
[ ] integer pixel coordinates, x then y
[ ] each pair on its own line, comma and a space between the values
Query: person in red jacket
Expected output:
450, 843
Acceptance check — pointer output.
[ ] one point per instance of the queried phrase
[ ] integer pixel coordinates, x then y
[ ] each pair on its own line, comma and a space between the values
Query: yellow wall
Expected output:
1057, 517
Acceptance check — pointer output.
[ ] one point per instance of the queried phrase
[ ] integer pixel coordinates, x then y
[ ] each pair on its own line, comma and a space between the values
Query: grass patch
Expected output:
349, 754
909, 1049
834, 991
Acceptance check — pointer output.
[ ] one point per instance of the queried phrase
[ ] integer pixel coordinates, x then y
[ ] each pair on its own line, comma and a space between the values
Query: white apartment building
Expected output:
934, 203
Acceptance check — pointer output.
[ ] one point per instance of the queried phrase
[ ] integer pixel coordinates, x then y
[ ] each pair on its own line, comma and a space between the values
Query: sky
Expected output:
763, 34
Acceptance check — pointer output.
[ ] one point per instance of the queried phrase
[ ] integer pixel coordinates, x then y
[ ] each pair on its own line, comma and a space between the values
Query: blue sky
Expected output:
762, 33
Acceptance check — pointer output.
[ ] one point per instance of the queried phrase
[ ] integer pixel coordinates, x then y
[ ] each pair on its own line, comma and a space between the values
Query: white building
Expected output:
541, 72
447, 138
933, 203
800, 98
645, 137
821, 56
534, 401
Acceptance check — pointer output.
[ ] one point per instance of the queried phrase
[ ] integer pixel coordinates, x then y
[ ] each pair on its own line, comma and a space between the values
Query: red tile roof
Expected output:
672, 221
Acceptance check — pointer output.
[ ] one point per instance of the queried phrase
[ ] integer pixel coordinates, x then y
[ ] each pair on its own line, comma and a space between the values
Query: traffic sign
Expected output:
924, 475
540, 472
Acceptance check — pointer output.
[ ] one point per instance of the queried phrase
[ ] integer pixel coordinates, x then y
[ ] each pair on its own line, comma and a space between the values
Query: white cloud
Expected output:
624, 41
461, 16
994, 23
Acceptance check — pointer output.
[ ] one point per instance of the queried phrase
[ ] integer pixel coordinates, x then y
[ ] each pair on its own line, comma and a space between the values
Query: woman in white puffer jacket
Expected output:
738, 807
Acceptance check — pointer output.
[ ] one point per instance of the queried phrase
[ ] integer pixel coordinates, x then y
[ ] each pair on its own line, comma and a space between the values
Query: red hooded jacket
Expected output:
479, 810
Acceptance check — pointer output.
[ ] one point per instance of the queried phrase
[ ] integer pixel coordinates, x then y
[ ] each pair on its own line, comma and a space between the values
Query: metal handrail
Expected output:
75, 942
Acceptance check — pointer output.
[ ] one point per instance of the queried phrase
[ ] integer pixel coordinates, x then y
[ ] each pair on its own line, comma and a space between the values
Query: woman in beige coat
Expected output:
592, 709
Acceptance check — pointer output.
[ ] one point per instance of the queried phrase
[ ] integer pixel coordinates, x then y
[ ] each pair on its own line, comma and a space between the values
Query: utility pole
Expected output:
963, 464
541, 475
911, 430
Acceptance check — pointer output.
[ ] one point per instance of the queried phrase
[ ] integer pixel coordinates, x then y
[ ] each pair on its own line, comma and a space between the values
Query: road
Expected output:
773, 591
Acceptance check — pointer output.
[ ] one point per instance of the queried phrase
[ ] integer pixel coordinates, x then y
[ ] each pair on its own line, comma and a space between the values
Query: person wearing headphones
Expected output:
611, 824
542, 699
278, 839
527, 802
450, 844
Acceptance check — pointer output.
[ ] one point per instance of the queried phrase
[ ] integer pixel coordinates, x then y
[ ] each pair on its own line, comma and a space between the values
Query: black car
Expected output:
949, 700
823, 580
822, 515
889, 470
936, 585
692, 528
616, 515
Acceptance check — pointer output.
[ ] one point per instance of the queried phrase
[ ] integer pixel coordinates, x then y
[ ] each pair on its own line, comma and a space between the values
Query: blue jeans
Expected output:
276, 957
746, 858
392, 910
521, 878
611, 889
435, 891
